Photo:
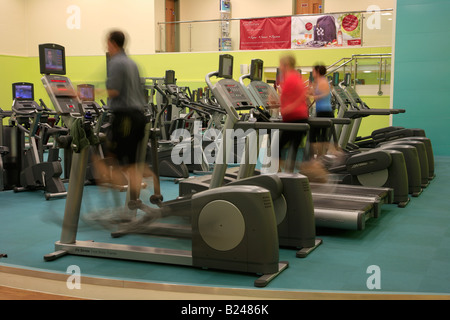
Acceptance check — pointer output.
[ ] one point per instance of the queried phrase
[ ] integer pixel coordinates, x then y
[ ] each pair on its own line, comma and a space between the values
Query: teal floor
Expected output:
411, 246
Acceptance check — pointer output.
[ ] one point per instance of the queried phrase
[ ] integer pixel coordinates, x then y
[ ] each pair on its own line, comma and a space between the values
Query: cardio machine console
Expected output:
174, 90
337, 90
340, 92
264, 91
23, 99
236, 94
61, 93
86, 93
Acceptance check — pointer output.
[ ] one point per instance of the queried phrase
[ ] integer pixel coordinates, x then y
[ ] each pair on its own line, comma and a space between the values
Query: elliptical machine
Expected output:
389, 135
35, 173
290, 192
416, 149
292, 198
234, 228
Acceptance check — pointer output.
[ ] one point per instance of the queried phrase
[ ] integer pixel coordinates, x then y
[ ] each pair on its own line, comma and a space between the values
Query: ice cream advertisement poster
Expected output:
332, 30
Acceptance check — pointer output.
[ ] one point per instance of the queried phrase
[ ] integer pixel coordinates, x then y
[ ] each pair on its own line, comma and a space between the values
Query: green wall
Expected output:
422, 48
190, 69
12, 69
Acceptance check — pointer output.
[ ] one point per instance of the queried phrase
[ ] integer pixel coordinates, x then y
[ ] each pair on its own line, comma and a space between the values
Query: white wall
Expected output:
209, 9
13, 27
205, 36
48, 18
199, 36
371, 36
199, 9
160, 16
24, 24
355, 5
260, 8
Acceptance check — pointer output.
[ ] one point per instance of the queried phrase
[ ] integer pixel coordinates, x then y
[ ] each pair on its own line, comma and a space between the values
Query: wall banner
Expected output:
265, 33
326, 30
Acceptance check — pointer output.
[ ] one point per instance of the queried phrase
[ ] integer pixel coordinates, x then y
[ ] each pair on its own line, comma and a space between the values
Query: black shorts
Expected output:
127, 131
321, 134
325, 114
293, 137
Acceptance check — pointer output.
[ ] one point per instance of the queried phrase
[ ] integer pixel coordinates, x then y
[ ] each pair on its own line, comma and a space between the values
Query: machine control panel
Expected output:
264, 91
21, 107
23, 99
341, 94
353, 94
61, 93
236, 94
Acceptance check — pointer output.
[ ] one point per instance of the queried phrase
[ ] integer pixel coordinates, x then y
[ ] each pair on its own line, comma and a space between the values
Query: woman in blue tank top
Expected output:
320, 144
320, 91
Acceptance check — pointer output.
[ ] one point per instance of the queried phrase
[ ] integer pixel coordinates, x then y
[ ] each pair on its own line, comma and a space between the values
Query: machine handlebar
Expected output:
302, 127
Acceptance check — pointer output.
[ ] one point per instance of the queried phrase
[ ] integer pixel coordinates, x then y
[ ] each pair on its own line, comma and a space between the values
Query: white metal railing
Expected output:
381, 68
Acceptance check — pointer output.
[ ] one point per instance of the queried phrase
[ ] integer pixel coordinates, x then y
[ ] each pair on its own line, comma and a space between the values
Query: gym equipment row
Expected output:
236, 217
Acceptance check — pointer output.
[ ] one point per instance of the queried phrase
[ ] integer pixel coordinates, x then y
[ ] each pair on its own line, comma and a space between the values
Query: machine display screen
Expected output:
347, 79
226, 66
86, 92
170, 77
279, 77
256, 70
23, 91
52, 59
336, 79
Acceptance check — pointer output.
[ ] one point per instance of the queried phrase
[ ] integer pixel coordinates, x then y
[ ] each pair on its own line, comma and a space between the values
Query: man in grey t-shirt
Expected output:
126, 101
124, 83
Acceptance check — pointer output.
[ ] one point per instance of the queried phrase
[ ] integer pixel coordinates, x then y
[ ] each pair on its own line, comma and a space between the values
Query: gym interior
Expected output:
381, 230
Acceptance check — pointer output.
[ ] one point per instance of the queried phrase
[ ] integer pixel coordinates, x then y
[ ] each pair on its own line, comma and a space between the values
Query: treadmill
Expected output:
290, 193
234, 227
389, 134
260, 92
330, 210
420, 168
